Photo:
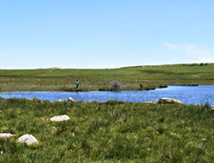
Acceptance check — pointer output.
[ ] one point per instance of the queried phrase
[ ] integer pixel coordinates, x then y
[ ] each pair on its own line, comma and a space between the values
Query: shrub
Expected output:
116, 86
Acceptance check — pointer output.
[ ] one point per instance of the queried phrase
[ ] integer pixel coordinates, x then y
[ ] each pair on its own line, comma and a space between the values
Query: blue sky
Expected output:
105, 34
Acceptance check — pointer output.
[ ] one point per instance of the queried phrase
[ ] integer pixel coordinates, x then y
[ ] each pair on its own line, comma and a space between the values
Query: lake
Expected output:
186, 94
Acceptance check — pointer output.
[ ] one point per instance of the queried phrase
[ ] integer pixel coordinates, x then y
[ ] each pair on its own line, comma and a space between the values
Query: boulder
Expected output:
60, 118
149, 102
71, 99
28, 139
60, 100
168, 101
5, 135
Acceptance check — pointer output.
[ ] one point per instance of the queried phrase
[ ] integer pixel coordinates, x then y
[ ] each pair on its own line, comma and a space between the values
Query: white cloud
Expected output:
192, 50
205, 59
171, 46
189, 50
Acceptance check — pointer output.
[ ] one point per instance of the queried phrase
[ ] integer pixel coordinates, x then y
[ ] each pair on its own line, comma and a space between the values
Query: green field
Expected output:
111, 131
128, 78
107, 132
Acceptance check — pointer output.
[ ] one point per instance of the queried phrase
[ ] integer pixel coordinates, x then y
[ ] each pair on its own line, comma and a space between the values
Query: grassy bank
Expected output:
107, 132
128, 78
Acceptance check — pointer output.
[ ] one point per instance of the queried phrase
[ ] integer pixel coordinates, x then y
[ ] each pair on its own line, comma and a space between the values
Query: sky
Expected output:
105, 33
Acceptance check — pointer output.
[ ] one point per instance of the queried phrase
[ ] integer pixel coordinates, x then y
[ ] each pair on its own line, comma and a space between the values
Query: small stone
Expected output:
28, 139
5, 135
71, 99
168, 101
149, 102
59, 118
204, 139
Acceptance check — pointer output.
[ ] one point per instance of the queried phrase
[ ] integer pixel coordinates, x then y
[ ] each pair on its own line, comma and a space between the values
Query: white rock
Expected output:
59, 118
29, 139
60, 100
149, 102
71, 99
5, 135
54, 68
168, 101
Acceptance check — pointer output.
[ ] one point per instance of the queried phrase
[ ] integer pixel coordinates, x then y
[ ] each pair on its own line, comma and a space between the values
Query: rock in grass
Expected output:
5, 135
149, 102
168, 101
71, 99
60, 118
60, 100
28, 139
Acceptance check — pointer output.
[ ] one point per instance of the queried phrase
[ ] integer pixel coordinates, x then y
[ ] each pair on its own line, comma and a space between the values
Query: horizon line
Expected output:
55, 67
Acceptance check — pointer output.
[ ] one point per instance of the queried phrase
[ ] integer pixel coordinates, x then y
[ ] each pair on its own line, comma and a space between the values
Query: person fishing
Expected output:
77, 83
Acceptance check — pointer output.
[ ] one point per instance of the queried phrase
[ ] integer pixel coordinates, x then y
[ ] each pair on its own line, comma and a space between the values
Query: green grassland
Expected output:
107, 132
128, 78
111, 131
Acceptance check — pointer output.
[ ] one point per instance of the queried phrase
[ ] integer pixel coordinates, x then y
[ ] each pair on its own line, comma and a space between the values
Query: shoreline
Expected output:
80, 90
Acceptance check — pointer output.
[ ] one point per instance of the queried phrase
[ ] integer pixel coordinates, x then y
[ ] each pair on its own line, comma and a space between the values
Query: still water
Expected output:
186, 94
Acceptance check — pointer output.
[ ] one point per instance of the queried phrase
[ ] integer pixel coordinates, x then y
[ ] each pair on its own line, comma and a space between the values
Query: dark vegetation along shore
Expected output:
111, 131
128, 78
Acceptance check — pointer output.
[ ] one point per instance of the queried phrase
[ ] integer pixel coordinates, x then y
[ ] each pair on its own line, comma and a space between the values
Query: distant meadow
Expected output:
127, 78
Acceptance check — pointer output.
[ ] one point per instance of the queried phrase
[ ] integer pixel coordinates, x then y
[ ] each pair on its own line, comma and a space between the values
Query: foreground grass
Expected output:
129, 78
107, 132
